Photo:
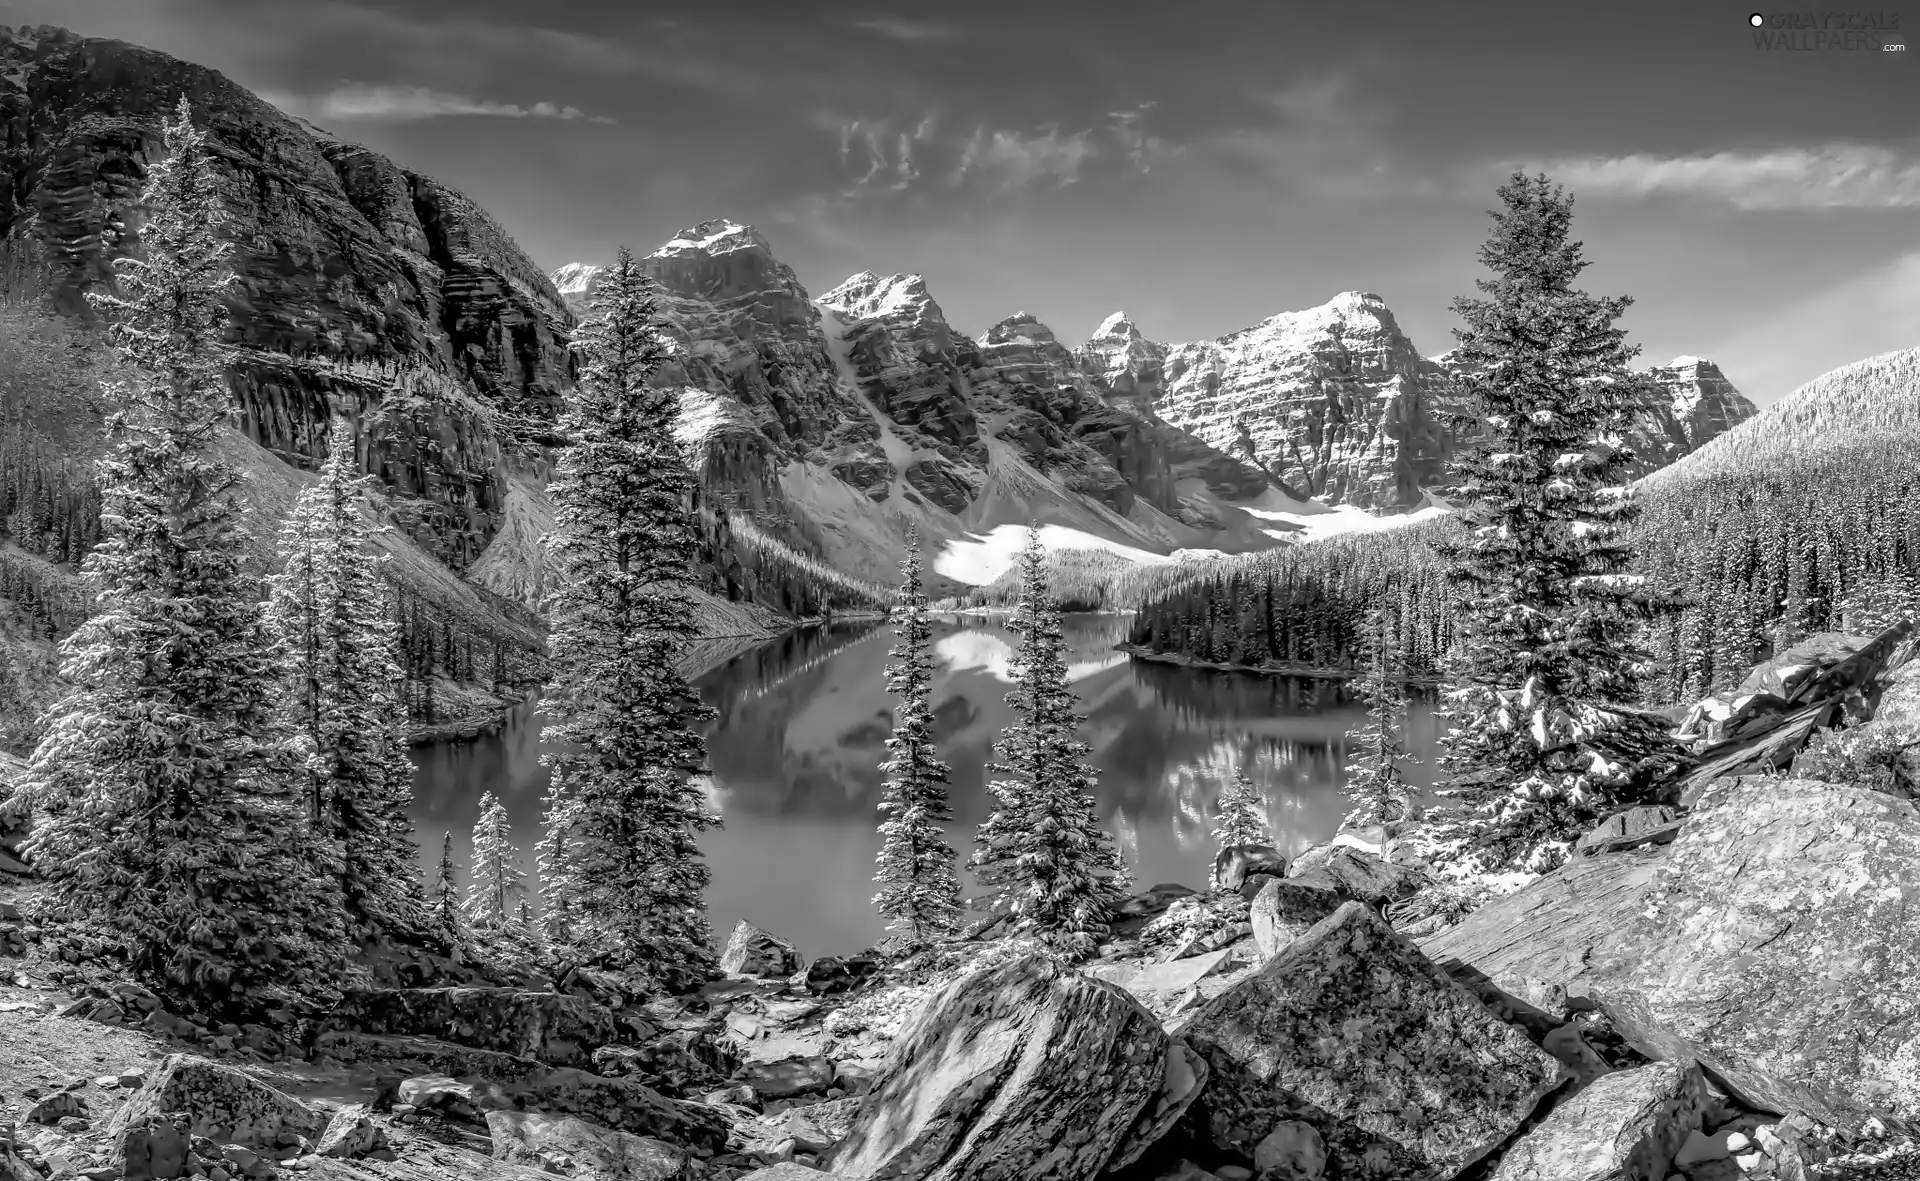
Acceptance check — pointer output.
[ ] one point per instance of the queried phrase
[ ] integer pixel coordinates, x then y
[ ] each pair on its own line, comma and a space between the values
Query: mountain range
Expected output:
821, 426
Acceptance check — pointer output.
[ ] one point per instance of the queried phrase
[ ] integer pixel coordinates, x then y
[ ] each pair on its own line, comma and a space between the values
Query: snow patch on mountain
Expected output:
979, 558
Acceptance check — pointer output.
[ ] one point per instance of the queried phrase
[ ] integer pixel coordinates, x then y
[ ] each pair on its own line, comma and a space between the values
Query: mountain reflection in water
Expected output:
797, 747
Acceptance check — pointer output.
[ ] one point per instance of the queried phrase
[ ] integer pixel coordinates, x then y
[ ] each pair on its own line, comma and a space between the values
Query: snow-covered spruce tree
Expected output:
1041, 854
1545, 653
444, 914
496, 886
331, 615
626, 806
1376, 781
170, 825
919, 891
1242, 819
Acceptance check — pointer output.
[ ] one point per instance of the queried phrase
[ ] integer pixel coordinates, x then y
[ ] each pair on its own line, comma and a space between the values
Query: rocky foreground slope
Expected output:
1712, 997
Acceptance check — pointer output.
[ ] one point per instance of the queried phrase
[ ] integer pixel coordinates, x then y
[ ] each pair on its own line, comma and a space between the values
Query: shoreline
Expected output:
1312, 672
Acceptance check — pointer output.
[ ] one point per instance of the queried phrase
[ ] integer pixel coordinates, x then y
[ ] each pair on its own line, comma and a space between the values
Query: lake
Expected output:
797, 746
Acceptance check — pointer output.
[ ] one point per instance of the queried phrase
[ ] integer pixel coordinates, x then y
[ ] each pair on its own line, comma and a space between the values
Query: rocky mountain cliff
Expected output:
350, 269
837, 422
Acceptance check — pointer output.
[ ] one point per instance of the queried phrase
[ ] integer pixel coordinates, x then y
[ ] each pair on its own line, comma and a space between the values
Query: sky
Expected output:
1199, 165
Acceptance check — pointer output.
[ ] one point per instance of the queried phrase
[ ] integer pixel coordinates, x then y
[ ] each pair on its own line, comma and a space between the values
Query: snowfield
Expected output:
977, 559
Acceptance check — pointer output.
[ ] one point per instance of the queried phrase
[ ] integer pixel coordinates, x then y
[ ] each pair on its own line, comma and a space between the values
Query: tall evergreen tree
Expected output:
1376, 777
331, 615
919, 892
1242, 819
496, 887
169, 824
625, 806
447, 919
1041, 853
1546, 653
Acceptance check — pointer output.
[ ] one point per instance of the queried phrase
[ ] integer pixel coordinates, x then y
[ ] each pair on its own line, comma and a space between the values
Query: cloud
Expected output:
368, 101
881, 156
907, 28
1837, 176
1010, 160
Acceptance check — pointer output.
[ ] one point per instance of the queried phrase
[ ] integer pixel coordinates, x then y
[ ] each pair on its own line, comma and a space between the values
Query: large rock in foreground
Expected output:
1782, 949
225, 1104
1353, 1043
1025, 1072
1624, 1127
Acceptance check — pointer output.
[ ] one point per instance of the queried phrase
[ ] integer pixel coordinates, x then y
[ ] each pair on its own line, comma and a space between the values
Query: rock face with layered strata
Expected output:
1334, 401
349, 268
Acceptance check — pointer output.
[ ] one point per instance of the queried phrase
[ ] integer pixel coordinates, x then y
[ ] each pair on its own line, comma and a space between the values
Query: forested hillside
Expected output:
1803, 519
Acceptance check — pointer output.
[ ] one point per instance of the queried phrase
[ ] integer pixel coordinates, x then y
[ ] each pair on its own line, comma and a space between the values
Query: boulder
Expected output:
1236, 862
1186, 1074
151, 1149
1781, 949
788, 1077
1624, 1127
1285, 910
753, 952
557, 1028
221, 1103
817, 1127
681, 1062
1648, 824
1026, 1070
1549, 929
350, 1135
583, 1151
788, 1171
625, 1106
1359, 875
1400, 1072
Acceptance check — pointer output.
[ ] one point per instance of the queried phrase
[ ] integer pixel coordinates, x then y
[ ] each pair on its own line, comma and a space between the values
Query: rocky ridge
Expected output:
838, 420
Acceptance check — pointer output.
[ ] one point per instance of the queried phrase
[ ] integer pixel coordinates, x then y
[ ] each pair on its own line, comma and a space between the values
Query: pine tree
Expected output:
1243, 819
1546, 654
496, 887
168, 824
920, 893
1041, 854
1376, 780
330, 613
449, 923
625, 806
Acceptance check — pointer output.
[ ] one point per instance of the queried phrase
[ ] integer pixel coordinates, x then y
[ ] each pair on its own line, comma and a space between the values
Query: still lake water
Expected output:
797, 747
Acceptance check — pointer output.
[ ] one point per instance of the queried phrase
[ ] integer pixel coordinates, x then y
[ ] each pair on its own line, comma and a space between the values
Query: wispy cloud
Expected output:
368, 101
880, 156
907, 28
1837, 176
